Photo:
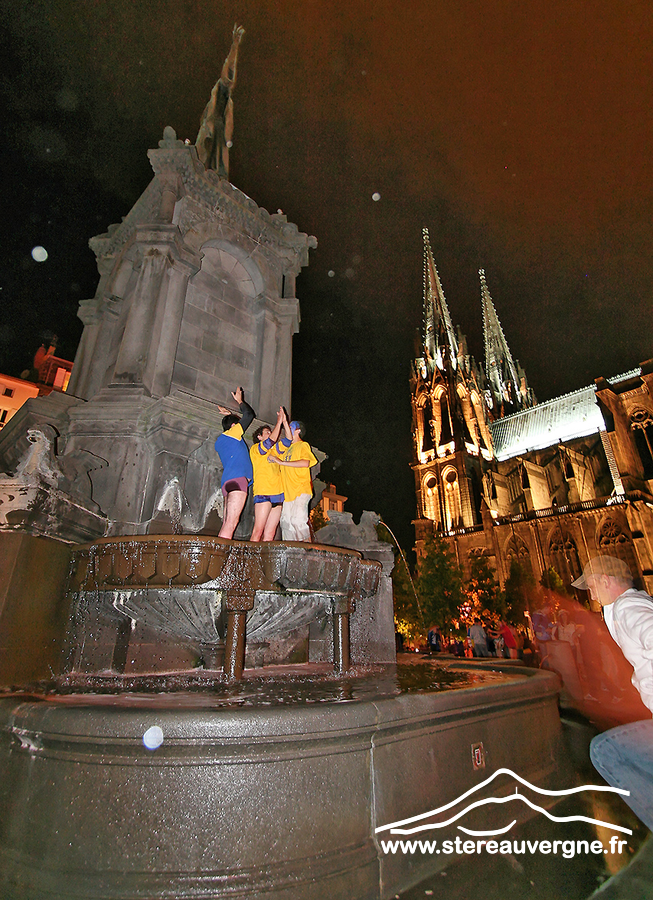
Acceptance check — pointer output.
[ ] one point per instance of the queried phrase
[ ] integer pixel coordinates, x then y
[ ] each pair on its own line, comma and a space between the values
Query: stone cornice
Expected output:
144, 210
220, 201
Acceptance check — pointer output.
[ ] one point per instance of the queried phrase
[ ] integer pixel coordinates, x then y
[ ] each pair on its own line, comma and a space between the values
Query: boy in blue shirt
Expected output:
236, 464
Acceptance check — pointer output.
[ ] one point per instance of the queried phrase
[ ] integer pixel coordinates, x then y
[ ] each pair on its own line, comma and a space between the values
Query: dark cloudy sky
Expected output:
518, 132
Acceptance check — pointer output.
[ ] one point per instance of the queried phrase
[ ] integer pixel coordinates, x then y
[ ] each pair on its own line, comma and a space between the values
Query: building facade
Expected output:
50, 373
13, 393
499, 475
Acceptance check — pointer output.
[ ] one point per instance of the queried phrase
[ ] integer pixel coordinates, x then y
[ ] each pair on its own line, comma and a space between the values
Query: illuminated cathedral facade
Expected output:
502, 476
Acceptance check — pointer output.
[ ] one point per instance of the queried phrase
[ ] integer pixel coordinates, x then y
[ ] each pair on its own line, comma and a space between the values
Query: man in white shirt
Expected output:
624, 755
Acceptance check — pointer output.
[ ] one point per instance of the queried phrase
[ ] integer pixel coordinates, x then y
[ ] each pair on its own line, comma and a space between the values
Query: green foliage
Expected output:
384, 535
551, 581
482, 591
521, 590
407, 611
440, 583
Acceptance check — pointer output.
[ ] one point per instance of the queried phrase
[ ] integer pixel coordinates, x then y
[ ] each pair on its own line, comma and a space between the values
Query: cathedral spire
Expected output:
504, 381
439, 335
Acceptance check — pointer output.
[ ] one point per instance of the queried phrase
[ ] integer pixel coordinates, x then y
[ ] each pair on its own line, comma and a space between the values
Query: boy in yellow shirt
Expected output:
296, 462
268, 483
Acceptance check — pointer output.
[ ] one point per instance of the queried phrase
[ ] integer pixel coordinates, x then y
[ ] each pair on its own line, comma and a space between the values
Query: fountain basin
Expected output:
249, 801
203, 590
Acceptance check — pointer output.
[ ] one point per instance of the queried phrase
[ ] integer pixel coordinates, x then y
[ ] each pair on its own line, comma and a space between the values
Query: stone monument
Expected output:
196, 295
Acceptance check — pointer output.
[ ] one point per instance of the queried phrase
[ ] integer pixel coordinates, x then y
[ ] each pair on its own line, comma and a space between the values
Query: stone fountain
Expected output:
208, 592
122, 617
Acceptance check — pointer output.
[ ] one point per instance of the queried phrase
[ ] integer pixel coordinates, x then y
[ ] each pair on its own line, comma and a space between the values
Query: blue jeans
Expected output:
624, 757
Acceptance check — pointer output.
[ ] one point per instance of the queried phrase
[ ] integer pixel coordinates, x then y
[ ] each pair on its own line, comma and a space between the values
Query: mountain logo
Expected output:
418, 824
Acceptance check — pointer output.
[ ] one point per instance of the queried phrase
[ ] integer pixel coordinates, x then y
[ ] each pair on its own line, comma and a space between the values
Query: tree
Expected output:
482, 590
408, 614
551, 581
521, 589
440, 582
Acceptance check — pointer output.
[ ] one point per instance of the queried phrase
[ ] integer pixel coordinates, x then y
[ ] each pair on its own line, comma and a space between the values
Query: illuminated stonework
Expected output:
548, 484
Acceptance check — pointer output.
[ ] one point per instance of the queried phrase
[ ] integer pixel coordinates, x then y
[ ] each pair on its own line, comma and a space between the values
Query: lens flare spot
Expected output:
153, 737
39, 254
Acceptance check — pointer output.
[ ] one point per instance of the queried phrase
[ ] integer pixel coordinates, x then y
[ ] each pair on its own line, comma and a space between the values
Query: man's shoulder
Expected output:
300, 448
632, 602
633, 596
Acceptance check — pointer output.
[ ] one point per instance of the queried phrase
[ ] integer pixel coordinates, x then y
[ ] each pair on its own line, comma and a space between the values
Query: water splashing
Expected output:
410, 577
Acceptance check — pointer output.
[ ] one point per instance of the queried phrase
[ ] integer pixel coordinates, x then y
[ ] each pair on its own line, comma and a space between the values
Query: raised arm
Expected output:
286, 427
274, 436
247, 413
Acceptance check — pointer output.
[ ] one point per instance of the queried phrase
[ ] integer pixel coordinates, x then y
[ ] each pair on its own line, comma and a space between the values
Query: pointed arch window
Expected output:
426, 412
614, 542
431, 497
453, 506
446, 442
563, 555
517, 549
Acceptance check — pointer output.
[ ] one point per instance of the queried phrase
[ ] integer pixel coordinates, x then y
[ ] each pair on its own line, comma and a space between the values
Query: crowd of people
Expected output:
486, 637
278, 465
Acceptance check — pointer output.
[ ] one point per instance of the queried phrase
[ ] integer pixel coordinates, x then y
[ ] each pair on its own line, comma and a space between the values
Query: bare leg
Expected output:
272, 523
261, 513
234, 503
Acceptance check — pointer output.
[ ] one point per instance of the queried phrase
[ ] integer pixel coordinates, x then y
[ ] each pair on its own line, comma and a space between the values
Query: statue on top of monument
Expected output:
217, 125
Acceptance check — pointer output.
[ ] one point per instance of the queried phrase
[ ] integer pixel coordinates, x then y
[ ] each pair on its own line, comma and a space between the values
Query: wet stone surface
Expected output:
273, 686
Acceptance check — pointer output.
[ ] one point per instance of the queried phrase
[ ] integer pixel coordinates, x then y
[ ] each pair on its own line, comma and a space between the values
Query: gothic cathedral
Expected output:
499, 475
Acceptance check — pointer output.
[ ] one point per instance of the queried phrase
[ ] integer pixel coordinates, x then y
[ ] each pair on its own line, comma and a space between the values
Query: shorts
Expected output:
274, 499
235, 484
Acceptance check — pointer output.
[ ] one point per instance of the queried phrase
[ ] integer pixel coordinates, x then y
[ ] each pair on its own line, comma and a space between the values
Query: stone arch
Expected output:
423, 419
222, 259
563, 555
516, 548
452, 500
261, 266
223, 338
431, 497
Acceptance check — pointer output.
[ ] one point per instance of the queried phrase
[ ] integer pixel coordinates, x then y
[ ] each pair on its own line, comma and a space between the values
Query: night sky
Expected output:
519, 133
